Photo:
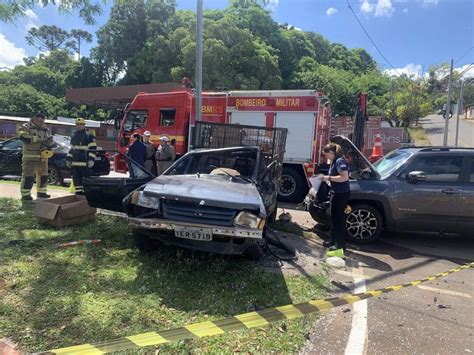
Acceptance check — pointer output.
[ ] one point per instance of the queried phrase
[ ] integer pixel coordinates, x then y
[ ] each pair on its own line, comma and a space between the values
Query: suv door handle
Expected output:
451, 192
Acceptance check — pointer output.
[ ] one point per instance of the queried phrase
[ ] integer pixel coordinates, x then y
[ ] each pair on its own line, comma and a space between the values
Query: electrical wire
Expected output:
465, 54
370, 38
466, 70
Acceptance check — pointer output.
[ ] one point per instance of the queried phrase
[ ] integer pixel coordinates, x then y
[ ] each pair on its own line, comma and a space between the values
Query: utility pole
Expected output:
199, 60
448, 106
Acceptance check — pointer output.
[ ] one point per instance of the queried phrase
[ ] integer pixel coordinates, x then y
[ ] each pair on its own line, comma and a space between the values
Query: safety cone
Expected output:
377, 150
72, 189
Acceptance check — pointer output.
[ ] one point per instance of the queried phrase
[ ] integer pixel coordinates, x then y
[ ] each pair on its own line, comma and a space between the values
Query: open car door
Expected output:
108, 192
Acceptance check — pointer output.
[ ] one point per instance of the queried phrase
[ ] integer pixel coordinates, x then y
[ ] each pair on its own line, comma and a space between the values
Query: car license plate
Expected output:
193, 233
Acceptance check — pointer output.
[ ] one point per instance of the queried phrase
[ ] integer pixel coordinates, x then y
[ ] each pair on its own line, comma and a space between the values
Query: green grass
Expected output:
418, 135
53, 297
53, 187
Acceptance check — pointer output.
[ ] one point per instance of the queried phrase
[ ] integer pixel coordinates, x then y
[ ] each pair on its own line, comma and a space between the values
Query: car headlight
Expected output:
248, 220
147, 201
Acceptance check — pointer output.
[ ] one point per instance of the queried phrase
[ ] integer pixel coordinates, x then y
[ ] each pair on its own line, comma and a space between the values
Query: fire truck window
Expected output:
135, 119
167, 117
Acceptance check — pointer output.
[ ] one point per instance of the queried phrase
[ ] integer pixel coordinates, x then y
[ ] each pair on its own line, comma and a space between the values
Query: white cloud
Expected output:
405, 10
384, 8
381, 8
10, 55
31, 14
468, 74
331, 11
414, 70
366, 7
431, 2
32, 19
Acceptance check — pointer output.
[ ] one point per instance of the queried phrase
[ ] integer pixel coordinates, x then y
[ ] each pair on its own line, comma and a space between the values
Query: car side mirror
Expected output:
416, 176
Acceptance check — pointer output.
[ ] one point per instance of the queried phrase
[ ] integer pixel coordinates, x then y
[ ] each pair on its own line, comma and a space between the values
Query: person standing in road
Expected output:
81, 156
338, 178
150, 165
37, 142
137, 152
165, 155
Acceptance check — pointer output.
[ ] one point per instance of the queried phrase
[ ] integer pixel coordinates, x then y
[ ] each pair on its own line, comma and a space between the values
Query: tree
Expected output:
47, 38
11, 10
78, 36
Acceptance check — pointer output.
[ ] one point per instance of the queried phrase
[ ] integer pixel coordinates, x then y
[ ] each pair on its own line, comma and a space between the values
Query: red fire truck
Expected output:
306, 114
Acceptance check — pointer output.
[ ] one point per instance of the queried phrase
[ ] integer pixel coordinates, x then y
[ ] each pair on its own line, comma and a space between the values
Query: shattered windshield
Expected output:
234, 163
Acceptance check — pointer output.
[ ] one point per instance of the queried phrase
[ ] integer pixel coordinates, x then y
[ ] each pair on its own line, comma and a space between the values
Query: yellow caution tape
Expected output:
242, 321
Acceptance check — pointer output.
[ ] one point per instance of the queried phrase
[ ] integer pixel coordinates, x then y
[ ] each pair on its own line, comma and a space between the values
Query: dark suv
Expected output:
11, 153
428, 189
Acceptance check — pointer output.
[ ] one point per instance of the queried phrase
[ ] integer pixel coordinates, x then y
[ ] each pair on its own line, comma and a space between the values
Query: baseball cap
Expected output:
164, 138
147, 134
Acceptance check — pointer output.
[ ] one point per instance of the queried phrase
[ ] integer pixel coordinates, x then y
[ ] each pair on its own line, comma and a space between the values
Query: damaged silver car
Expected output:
218, 197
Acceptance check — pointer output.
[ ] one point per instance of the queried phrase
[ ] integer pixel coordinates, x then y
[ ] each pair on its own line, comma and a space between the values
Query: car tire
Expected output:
363, 224
293, 187
254, 252
143, 242
54, 175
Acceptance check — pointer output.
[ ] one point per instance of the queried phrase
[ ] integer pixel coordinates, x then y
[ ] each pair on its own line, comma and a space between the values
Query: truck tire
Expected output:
293, 187
143, 242
364, 223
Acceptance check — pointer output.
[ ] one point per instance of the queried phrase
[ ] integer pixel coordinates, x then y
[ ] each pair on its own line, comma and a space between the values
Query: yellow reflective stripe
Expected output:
147, 339
92, 155
204, 329
92, 144
78, 163
252, 320
80, 147
31, 156
79, 349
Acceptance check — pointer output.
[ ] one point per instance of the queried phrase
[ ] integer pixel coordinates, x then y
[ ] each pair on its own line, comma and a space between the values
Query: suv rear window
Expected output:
439, 169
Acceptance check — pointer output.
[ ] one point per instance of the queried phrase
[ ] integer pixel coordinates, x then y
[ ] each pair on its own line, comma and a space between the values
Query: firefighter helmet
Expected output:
46, 154
80, 121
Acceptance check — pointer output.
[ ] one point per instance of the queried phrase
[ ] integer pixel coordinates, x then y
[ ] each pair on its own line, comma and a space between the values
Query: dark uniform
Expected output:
340, 196
35, 138
82, 152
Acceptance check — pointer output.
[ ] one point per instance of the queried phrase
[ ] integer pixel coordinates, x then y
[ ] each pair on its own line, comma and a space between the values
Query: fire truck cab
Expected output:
305, 113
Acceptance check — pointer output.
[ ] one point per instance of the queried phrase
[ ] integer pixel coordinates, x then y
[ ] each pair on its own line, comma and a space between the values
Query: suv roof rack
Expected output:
442, 149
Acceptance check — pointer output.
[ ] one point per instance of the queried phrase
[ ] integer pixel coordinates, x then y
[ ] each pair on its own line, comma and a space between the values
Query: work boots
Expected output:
43, 195
27, 198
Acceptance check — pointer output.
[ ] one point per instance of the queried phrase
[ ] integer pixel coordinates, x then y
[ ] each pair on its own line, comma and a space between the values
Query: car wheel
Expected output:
54, 176
363, 223
293, 188
254, 252
143, 242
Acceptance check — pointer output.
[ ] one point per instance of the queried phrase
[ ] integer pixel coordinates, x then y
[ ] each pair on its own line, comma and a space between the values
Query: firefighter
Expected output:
81, 155
149, 164
165, 155
37, 144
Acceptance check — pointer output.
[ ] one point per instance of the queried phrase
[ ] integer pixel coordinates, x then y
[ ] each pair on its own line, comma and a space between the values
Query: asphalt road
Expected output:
434, 126
434, 318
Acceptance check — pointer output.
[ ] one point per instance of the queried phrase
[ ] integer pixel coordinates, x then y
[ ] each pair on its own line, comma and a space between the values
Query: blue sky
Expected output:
412, 34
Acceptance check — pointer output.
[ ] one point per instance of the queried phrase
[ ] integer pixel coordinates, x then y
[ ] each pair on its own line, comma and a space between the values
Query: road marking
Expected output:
358, 335
447, 292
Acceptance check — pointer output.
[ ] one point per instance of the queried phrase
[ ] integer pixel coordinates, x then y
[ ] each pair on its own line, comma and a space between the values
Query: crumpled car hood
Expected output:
211, 191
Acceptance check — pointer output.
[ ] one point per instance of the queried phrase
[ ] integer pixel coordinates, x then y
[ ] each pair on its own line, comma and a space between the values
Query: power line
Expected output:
370, 38
465, 54
466, 70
